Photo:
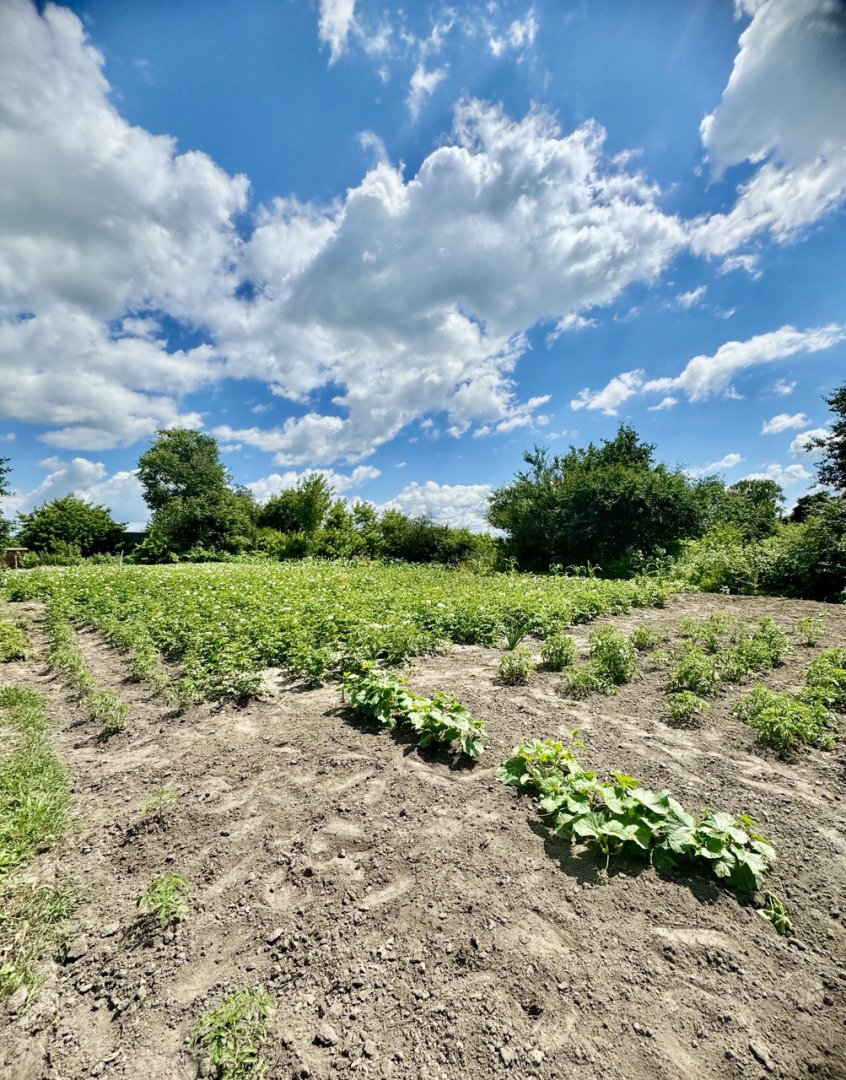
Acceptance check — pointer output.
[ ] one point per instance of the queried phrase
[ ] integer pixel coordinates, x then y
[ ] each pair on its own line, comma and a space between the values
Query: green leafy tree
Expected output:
808, 506
302, 508
831, 470
5, 527
196, 509
70, 522
608, 504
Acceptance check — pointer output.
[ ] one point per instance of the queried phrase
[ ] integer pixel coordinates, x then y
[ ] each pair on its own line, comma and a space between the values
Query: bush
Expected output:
784, 722
70, 522
810, 631
612, 655
516, 667
558, 652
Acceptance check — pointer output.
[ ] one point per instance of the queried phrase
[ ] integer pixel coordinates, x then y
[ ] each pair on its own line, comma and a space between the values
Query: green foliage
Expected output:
644, 639
160, 806
712, 634
784, 722
163, 899
831, 470
826, 679
537, 762
762, 647
378, 695
31, 918
33, 783
5, 527
612, 654
587, 679
516, 667
106, 708
618, 816
223, 624
181, 464
70, 522
775, 912
693, 671
13, 643
514, 630
609, 504
234, 1034
558, 652
300, 509
684, 705
810, 630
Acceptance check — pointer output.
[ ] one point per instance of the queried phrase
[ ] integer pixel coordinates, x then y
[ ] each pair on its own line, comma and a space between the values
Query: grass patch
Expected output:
31, 918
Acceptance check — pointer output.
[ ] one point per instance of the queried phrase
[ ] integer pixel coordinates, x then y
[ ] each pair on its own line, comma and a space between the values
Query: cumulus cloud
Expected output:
784, 422
665, 403
693, 298
706, 376
334, 25
783, 109
414, 294
271, 485
723, 465
461, 505
784, 475
422, 85
618, 390
784, 387
803, 444
89, 480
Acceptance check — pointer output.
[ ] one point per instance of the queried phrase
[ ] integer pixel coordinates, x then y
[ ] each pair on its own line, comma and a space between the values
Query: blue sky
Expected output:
404, 244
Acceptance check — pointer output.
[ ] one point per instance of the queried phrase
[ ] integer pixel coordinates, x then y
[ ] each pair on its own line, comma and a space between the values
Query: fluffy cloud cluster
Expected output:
461, 505
271, 485
723, 465
784, 108
89, 480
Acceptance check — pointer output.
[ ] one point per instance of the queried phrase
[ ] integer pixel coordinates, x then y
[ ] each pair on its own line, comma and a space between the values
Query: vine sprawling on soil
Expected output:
223, 625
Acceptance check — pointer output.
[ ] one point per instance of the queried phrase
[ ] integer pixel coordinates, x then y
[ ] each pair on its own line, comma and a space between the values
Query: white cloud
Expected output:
723, 465
414, 294
271, 485
89, 480
618, 390
693, 298
784, 422
518, 36
334, 25
705, 376
784, 475
8, 437
461, 505
573, 321
783, 108
783, 388
422, 85
665, 403
799, 446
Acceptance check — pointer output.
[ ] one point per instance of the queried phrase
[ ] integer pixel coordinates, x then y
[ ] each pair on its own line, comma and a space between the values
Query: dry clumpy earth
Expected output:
410, 916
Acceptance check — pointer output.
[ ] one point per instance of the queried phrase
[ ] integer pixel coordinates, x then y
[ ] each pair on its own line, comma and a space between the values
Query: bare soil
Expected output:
411, 916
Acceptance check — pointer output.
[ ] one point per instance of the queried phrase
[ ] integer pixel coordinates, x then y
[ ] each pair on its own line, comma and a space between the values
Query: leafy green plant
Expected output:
514, 630
233, 1035
826, 679
13, 643
558, 652
537, 761
516, 667
775, 912
784, 722
761, 647
713, 633
163, 899
617, 816
160, 806
107, 708
375, 694
612, 654
693, 671
445, 719
684, 705
587, 679
644, 639
810, 630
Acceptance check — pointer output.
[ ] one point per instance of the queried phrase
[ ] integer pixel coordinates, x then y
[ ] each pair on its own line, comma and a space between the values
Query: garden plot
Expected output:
408, 914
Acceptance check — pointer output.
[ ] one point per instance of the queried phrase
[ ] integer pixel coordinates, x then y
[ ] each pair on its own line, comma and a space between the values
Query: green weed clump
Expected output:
810, 630
107, 708
644, 639
160, 806
617, 816
784, 722
233, 1035
826, 679
685, 705
558, 652
31, 918
516, 667
164, 901
13, 643
775, 912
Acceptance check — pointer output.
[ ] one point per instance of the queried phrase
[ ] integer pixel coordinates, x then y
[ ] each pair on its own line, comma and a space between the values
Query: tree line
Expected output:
609, 508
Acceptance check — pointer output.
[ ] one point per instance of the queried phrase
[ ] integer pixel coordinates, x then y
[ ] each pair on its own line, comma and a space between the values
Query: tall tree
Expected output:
302, 508
831, 470
181, 464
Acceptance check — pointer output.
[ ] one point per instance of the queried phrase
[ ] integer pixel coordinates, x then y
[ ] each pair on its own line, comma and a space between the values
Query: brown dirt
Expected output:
418, 909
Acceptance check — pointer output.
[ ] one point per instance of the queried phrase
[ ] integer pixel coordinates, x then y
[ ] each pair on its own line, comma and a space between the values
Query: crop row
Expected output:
223, 624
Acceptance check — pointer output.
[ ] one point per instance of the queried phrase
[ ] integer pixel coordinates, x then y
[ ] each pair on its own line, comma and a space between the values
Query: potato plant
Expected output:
233, 1034
617, 816
784, 721
558, 652
164, 901
516, 667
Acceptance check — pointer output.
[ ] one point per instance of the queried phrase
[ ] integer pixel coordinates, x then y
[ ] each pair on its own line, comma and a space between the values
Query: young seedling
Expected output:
163, 899
775, 912
516, 667
515, 629
160, 806
107, 708
233, 1035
